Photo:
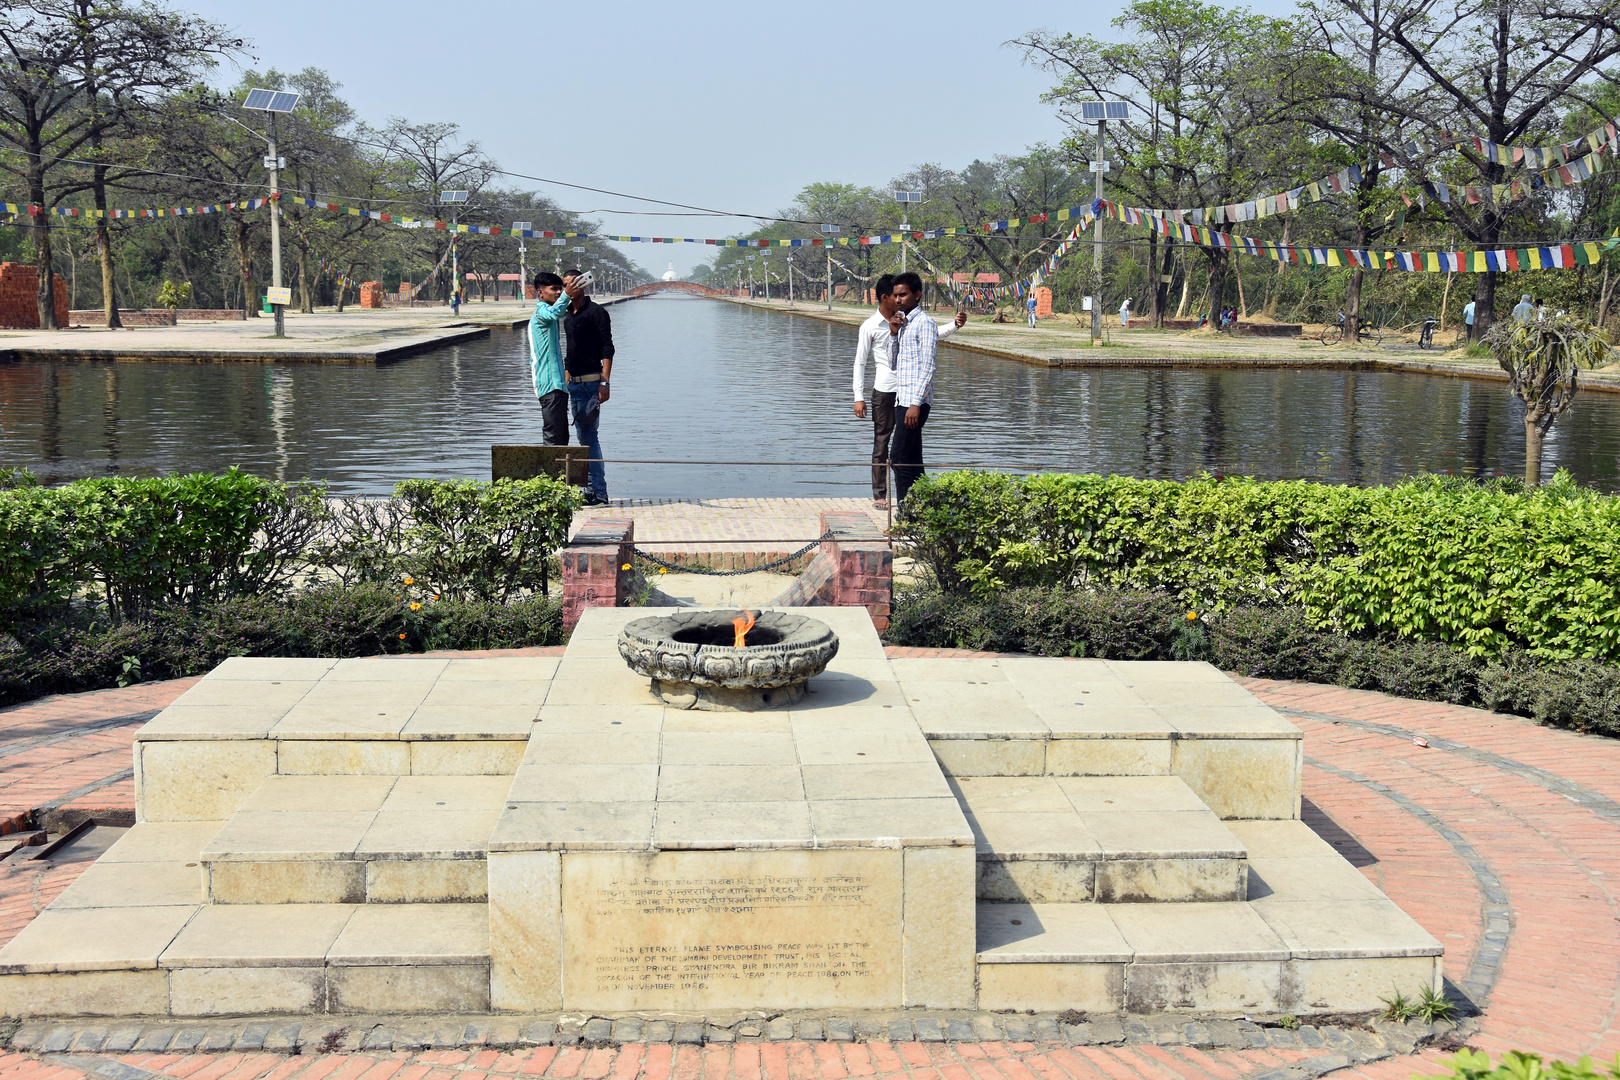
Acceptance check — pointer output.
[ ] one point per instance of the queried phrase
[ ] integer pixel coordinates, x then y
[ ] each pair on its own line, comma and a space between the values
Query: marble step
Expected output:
1106, 839
356, 840
1038, 716
197, 960
1313, 935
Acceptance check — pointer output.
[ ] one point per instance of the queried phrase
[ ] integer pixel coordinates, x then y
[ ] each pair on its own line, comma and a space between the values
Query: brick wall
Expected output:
98, 317
1043, 302
594, 567
19, 301
371, 294
211, 315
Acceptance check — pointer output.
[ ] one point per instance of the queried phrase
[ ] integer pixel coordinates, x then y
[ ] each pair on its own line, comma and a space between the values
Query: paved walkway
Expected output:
751, 530
1501, 838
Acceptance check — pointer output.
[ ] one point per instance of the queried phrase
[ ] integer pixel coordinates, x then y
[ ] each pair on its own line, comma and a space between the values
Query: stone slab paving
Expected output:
1500, 837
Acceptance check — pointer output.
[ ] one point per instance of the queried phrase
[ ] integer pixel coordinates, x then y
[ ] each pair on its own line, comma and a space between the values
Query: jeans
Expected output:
554, 417
1032, 319
587, 417
882, 428
907, 451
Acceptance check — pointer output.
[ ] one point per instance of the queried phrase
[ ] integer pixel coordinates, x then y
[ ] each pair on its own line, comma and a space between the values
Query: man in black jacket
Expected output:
589, 363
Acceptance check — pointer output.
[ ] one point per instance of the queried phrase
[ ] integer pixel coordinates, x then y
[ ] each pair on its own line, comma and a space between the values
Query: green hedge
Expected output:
1486, 568
133, 547
1272, 642
69, 652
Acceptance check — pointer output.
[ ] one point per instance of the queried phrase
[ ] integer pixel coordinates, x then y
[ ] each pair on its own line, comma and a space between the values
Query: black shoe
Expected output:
595, 500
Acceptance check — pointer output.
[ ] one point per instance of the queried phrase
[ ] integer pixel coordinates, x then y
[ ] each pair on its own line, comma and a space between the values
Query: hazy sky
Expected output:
720, 104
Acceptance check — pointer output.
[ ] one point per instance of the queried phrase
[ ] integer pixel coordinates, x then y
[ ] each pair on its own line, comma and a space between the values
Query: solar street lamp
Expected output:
828, 230
521, 227
454, 199
271, 102
905, 199
1102, 112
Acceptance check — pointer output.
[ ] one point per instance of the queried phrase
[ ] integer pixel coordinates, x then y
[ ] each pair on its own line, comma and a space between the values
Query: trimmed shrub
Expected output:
1486, 568
1265, 642
64, 655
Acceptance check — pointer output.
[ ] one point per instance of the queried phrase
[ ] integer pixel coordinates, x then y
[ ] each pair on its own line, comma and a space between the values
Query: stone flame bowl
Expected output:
694, 665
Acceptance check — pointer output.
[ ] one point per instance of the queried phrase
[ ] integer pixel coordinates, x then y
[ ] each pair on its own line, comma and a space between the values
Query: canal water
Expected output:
697, 380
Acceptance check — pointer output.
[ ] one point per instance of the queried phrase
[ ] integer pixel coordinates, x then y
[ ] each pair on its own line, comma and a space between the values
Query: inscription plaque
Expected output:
731, 929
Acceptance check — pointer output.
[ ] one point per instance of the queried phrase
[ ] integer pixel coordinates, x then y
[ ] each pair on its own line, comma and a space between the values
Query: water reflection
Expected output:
697, 379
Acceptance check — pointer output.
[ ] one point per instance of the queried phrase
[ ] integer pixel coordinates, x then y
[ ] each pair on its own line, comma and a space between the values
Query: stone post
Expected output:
593, 567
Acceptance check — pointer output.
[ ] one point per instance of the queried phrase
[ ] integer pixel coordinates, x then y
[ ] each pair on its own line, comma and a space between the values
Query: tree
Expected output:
1501, 70
1203, 128
1542, 358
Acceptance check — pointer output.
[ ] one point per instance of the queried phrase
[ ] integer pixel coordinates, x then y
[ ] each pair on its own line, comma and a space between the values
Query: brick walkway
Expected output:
1501, 838
690, 526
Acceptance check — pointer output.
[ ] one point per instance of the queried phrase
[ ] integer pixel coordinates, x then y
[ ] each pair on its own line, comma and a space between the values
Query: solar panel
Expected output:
1105, 110
453, 196
260, 100
522, 226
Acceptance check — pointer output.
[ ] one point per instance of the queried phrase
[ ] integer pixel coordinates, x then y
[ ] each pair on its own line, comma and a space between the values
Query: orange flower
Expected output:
410, 580
1192, 616
416, 606
402, 637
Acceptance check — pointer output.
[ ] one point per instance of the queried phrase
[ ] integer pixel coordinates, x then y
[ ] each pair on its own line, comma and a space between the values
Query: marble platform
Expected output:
413, 834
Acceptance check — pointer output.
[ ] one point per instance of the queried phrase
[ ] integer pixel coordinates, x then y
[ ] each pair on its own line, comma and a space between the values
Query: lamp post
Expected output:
827, 231
905, 199
521, 227
750, 277
454, 199
271, 102
1102, 112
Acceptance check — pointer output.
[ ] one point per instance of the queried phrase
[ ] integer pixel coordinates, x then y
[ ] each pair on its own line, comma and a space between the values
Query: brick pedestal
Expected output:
855, 568
19, 300
371, 294
1043, 302
594, 567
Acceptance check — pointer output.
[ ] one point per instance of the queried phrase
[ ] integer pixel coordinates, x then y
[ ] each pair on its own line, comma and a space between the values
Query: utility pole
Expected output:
521, 227
767, 275
827, 230
905, 199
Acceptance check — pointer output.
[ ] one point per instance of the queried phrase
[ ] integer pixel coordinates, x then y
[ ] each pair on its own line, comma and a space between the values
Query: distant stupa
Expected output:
669, 275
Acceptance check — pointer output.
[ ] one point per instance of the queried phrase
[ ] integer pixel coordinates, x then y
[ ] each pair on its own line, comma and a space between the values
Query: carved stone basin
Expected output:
694, 663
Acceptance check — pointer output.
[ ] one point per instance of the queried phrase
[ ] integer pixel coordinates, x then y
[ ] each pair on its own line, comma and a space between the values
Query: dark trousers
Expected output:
907, 451
554, 418
882, 428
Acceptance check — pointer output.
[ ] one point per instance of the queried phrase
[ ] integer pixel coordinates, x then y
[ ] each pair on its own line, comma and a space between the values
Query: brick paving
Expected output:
767, 528
1500, 837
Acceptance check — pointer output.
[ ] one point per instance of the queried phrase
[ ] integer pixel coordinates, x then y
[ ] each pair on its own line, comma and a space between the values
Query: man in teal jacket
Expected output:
545, 356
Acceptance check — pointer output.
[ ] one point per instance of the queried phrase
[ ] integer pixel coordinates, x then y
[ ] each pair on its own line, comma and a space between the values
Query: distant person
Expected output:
1524, 309
545, 357
455, 299
877, 339
1541, 310
589, 363
1030, 304
1125, 314
916, 359
1468, 320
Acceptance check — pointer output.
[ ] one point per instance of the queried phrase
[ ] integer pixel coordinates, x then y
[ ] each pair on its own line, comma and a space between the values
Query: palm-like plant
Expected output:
1542, 358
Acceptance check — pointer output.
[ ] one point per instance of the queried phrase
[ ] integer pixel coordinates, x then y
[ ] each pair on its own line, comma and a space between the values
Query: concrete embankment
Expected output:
1060, 342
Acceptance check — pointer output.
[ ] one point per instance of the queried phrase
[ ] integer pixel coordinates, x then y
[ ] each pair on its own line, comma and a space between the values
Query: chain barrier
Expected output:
772, 565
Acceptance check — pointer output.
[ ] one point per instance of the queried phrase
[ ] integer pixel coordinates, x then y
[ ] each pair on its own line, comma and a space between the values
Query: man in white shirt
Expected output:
915, 362
877, 339
1524, 310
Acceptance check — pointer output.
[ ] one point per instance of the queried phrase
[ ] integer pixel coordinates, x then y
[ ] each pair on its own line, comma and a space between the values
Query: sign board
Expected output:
1099, 166
275, 162
278, 296
1085, 303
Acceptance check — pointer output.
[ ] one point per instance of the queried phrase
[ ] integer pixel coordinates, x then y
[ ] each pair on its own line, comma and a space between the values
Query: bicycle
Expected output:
1370, 335
1426, 335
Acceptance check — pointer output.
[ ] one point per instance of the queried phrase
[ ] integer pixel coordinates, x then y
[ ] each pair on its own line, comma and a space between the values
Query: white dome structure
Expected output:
669, 275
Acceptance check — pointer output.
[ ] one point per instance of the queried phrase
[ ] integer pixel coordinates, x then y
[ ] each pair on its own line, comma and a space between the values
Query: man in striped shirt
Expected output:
876, 339
915, 360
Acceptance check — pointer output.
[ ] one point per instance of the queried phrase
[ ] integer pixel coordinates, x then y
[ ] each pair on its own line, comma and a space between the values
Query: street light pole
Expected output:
275, 226
1099, 165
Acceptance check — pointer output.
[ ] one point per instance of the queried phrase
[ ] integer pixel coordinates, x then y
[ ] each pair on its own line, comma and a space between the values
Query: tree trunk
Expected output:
180, 261
1243, 303
1165, 272
1445, 298
244, 257
44, 294
1532, 448
1186, 283
1484, 303
1217, 283
1603, 297
1352, 306
306, 304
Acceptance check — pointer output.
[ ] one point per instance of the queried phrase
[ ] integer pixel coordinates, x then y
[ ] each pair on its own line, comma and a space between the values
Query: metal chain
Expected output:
772, 565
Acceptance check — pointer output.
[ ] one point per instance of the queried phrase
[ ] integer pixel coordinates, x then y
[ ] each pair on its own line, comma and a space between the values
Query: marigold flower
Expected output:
415, 606
1192, 616
410, 580
402, 637
663, 569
